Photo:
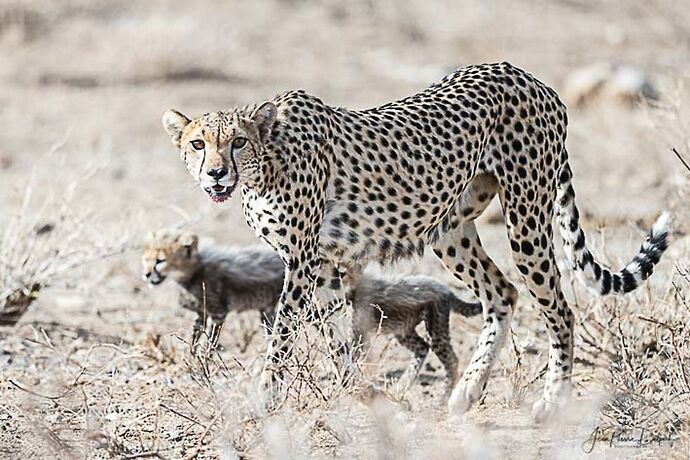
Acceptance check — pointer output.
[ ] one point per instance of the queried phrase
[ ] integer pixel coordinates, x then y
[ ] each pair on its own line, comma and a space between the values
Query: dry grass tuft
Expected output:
646, 343
47, 237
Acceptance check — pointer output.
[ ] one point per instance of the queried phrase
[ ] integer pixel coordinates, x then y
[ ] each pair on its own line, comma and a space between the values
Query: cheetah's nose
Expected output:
217, 173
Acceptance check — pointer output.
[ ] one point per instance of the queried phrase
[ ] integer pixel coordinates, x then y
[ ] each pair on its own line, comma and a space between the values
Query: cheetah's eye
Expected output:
239, 142
198, 144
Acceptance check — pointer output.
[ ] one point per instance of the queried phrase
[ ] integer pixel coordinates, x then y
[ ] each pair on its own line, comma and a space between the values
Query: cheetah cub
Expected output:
397, 306
215, 281
219, 280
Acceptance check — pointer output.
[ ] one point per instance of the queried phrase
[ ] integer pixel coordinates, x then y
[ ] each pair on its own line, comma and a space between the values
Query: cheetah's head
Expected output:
169, 253
222, 149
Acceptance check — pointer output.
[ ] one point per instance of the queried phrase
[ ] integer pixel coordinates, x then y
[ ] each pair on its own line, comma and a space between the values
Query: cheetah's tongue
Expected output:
219, 198
218, 193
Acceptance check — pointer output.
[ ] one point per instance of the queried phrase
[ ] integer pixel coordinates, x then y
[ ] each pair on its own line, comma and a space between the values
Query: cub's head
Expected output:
222, 149
170, 253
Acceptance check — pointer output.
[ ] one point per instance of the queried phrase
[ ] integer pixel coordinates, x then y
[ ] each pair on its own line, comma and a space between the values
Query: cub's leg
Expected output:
197, 330
216, 326
419, 348
437, 325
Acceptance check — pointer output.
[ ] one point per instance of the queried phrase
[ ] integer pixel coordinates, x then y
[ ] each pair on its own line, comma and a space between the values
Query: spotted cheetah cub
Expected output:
219, 280
397, 306
215, 280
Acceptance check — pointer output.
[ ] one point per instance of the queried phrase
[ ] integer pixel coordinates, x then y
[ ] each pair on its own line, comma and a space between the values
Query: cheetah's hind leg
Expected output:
462, 254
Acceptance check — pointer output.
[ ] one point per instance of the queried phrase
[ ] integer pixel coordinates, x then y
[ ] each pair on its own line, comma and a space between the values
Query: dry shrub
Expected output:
317, 380
647, 344
152, 397
522, 371
47, 237
643, 340
320, 370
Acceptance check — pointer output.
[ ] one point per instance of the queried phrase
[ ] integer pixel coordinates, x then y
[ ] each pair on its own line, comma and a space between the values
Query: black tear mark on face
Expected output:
201, 165
234, 167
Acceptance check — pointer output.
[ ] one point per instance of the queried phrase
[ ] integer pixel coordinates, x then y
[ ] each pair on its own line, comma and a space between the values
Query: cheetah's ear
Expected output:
264, 117
174, 123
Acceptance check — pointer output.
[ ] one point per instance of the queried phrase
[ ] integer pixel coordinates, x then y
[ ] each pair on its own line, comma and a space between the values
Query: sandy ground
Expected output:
98, 367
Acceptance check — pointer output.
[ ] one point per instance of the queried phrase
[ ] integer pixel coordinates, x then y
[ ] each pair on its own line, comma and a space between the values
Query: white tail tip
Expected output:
662, 224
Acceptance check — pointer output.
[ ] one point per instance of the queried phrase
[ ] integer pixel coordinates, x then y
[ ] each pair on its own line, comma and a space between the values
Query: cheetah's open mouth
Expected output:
219, 193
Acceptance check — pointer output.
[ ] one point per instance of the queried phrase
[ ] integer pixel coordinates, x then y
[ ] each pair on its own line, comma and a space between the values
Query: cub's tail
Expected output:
599, 278
462, 307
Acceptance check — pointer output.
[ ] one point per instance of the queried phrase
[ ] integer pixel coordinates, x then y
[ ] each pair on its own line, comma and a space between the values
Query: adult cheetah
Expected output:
331, 189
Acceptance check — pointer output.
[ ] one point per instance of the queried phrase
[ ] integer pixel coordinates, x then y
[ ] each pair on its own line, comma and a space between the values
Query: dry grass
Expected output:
48, 237
646, 347
103, 403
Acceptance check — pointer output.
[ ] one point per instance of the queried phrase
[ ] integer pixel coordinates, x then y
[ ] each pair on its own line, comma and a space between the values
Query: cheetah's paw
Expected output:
546, 407
542, 410
463, 396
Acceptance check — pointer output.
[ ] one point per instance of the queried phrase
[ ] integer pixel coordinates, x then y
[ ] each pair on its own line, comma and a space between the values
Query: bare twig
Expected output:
195, 453
680, 157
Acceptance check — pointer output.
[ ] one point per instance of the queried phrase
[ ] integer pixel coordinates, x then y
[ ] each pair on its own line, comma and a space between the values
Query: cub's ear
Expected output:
264, 116
188, 240
174, 123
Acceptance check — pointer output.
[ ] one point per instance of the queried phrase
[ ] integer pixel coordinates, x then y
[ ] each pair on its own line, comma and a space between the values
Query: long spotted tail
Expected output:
599, 278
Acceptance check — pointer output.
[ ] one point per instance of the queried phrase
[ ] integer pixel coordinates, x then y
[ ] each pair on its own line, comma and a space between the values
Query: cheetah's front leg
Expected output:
334, 314
298, 289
